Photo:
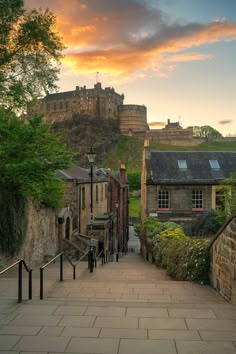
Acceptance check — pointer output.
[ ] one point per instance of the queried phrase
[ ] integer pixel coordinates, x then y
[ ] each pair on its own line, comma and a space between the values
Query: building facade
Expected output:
119, 205
181, 186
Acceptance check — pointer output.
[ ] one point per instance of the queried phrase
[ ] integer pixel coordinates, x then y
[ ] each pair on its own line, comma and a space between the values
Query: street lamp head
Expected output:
91, 155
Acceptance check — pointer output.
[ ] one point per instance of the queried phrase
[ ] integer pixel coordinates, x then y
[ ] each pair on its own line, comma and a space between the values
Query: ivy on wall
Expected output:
13, 221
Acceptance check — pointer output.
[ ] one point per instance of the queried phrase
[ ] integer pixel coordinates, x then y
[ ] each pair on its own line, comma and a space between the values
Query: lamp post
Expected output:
91, 157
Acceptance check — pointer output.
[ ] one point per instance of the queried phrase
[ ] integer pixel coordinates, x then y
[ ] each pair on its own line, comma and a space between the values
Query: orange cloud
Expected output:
125, 36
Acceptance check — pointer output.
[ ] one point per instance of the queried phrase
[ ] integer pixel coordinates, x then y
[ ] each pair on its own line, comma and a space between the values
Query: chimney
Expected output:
122, 174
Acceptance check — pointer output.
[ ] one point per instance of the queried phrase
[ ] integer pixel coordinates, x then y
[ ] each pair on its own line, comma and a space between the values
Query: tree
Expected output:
226, 193
29, 51
29, 156
205, 131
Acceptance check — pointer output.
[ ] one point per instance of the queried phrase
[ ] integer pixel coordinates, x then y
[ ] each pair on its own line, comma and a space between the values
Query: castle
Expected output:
106, 104
97, 103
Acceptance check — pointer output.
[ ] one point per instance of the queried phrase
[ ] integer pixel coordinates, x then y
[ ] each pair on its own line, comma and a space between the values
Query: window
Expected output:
197, 200
214, 164
163, 200
83, 198
61, 105
67, 105
182, 164
105, 191
96, 193
55, 106
101, 191
48, 107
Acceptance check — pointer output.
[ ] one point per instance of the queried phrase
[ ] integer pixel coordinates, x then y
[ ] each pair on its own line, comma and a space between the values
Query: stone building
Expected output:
119, 205
77, 200
173, 134
180, 186
95, 103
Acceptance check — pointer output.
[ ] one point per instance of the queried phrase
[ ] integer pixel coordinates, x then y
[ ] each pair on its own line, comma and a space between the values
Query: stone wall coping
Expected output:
223, 227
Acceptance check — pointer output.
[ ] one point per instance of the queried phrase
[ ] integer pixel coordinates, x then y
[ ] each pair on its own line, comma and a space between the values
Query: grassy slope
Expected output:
129, 151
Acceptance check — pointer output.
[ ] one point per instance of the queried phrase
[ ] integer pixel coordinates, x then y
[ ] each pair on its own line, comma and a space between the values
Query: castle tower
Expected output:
132, 118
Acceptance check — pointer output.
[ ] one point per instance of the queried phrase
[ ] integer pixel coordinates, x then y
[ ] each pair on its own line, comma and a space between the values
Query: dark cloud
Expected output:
225, 121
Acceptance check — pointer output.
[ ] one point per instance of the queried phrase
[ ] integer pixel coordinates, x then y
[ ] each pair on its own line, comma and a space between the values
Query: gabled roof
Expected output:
116, 177
163, 167
79, 173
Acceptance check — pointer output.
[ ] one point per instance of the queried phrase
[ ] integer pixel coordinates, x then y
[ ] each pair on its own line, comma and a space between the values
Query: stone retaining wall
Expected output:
223, 261
41, 242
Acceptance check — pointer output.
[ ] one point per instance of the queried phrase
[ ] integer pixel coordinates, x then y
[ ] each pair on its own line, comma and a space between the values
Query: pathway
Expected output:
122, 308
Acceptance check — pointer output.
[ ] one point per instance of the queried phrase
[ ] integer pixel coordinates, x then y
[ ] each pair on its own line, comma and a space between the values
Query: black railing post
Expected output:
41, 283
74, 269
30, 285
20, 282
61, 267
95, 263
117, 257
91, 260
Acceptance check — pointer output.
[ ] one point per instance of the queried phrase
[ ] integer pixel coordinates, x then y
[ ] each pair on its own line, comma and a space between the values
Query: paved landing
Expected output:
122, 308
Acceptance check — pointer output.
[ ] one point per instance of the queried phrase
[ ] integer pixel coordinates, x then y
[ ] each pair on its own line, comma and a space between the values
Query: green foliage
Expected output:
183, 257
154, 227
207, 224
134, 179
13, 221
227, 196
134, 207
137, 229
29, 156
30, 47
205, 131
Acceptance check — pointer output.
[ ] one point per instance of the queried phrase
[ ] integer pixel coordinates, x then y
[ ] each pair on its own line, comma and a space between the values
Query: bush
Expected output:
134, 179
183, 257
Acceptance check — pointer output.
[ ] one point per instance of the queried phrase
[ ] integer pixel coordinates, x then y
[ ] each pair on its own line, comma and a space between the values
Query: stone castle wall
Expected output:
223, 261
97, 103
132, 118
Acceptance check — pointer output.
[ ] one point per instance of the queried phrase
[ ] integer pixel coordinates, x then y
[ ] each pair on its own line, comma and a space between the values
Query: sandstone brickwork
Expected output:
223, 261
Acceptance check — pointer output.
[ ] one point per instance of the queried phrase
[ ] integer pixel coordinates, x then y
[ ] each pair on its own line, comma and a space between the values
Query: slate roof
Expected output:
163, 167
116, 177
79, 173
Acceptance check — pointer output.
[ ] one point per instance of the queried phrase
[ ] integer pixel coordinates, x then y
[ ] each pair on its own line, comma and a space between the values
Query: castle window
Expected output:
61, 105
48, 107
197, 200
55, 106
67, 105
163, 200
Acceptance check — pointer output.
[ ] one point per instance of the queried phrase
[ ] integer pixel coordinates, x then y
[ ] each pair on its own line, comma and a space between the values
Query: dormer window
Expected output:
214, 164
182, 164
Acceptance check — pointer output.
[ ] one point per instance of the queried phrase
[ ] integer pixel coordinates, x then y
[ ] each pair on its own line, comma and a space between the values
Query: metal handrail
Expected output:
29, 270
95, 260
47, 264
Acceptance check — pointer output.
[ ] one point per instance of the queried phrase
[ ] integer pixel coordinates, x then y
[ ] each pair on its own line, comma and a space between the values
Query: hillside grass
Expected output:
134, 207
128, 151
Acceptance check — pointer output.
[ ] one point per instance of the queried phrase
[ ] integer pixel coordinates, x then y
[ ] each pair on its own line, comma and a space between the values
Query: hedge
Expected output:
184, 257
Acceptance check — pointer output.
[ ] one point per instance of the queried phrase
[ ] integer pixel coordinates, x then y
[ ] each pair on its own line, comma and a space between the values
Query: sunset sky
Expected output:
177, 57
